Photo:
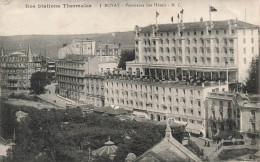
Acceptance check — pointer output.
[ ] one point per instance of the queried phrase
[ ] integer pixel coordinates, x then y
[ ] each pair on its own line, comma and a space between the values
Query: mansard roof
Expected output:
197, 26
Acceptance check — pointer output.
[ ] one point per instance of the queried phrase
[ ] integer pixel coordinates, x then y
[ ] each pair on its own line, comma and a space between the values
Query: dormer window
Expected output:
201, 33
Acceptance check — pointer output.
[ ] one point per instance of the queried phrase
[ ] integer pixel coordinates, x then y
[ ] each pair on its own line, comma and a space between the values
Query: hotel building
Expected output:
177, 65
184, 103
217, 50
16, 71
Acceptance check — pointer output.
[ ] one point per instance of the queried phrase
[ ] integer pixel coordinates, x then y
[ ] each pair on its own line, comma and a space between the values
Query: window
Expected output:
244, 50
188, 33
217, 32
201, 32
244, 40
184, 110
199, 113
167, 33
252, 31
252, 40
252, 49
244, 60
225, 31
195, 33
217, 50
191, 111
161, 34
198, 102
195, 60
244, 32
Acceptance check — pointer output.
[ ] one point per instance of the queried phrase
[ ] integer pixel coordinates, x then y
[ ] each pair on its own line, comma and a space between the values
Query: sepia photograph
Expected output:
129, 80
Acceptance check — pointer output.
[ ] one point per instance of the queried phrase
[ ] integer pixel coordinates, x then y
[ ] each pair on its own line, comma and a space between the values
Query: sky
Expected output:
15, 19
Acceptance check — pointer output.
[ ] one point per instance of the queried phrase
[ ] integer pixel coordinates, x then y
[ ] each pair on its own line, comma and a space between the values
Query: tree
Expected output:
127, 55
38, 82
252, 82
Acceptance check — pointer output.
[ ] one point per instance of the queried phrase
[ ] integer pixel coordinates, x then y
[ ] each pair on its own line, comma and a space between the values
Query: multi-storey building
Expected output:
16, 71
95, 90
71, 72
108, 49
216, 50
182, 63
51, 68
184, 103
80, 75
221, 112
248, 108
78, 46
232, 111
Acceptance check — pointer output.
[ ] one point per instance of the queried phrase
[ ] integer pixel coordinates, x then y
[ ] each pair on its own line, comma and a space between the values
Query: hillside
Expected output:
52, 43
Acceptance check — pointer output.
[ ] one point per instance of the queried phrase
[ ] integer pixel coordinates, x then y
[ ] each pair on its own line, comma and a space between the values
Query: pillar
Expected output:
156, 73
162, 72
227, 75
168, 74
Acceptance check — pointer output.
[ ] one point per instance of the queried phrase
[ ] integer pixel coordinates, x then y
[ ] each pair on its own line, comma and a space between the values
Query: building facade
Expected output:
71, 72
81, 75
95, 90
78, 46
232, 111
51, 68
217, 50
16, 71
248, 108
184, 103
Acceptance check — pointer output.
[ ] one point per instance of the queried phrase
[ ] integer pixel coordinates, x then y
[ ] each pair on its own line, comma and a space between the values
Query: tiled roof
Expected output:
196, 26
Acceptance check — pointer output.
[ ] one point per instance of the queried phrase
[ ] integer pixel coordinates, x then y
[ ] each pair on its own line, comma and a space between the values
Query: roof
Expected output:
109, 46
108, 149
196, 26
109, 110
77, 57
18, 53
169, 149
249, 100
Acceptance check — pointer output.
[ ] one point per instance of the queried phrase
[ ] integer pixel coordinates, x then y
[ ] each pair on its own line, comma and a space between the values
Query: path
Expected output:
200, 143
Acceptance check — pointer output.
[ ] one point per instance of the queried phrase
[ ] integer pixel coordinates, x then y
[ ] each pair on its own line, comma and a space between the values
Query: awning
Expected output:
138, 113
193, 128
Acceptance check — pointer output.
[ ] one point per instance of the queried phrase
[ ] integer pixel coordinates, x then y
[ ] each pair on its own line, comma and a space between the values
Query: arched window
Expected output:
137, 72
130, 71
158, 118
152, 117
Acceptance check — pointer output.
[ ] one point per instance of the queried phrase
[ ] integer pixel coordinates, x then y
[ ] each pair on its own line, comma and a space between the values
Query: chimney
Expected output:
201, 19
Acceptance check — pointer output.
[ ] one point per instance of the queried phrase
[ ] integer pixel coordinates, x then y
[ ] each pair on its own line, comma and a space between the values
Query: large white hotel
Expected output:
177, 65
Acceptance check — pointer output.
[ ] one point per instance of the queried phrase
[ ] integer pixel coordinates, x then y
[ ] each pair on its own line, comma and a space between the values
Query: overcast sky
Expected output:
15, 19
